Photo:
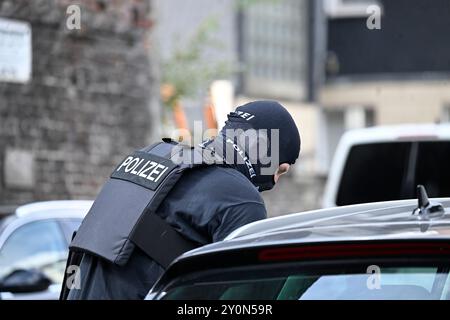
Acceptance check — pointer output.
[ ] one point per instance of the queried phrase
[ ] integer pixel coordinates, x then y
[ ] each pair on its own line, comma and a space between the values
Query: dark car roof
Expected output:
373, 221
366, 223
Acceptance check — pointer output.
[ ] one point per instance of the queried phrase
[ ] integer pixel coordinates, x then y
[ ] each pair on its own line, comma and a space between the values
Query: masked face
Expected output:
257, 147
264, 135
264, 183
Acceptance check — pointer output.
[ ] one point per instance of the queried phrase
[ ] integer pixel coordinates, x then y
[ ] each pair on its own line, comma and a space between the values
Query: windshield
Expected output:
371, 282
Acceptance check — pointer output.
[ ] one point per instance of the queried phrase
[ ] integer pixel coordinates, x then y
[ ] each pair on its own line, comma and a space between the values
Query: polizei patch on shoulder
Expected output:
145, 169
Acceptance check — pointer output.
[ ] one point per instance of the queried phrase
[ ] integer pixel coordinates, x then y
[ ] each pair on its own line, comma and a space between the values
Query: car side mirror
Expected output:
25, 281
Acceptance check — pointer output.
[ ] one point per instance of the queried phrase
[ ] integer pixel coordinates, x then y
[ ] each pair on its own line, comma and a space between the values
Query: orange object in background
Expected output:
167, 92
210, 120
169, 97
179, 117
210, 116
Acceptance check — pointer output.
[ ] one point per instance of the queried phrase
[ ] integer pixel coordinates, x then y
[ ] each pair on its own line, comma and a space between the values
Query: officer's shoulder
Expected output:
228, 181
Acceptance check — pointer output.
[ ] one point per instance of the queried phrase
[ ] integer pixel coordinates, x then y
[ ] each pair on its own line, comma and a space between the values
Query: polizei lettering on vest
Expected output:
151, 170
144, 169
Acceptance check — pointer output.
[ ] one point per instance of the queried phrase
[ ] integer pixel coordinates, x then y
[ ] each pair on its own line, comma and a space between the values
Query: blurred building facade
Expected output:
331, 64
268, 44
91, 98
94, 93
397, 73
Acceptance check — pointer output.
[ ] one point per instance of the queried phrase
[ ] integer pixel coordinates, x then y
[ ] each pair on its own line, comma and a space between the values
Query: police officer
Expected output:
204, 206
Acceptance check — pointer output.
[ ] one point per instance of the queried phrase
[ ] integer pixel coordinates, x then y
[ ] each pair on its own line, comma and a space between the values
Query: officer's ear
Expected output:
282, 169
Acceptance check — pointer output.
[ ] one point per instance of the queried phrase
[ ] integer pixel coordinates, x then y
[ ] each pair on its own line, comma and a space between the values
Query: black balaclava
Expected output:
262, 117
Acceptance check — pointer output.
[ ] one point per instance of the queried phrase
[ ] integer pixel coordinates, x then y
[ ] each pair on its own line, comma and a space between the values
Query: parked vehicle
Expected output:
386, 250
34, 241
386, 163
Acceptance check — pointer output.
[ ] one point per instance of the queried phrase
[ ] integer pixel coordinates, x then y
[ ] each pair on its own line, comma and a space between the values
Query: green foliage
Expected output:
188, 69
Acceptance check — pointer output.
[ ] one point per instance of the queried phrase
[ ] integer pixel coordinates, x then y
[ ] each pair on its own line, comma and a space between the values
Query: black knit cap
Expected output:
265, 115
272, 115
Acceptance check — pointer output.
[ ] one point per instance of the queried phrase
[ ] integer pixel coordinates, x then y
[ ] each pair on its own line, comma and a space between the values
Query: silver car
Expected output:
34, 241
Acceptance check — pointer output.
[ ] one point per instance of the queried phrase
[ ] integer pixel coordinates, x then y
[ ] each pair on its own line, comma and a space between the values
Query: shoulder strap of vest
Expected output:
126, 207
152, 234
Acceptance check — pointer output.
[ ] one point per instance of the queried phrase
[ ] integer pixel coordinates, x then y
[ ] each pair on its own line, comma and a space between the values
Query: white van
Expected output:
387, 163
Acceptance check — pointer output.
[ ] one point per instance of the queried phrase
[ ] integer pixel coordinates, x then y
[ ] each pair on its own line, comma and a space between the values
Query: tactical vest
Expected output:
124, 213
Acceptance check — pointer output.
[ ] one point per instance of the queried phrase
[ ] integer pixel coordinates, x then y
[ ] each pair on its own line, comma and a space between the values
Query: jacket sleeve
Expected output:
235, 217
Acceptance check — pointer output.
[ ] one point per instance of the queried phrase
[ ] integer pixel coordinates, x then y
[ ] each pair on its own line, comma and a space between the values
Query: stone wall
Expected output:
92, 98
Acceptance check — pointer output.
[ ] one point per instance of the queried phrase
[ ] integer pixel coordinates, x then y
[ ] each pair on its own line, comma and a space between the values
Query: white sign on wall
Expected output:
15, 51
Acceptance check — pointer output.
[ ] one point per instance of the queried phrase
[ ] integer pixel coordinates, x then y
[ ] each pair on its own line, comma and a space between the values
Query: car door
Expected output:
38, 244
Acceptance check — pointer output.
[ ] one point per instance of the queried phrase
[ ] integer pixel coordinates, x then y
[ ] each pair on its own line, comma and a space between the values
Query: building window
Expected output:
273, 50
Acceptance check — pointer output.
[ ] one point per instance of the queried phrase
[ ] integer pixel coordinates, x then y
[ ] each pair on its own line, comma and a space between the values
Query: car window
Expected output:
432, 168
374, 172
38, 245
394, 283
404, 283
